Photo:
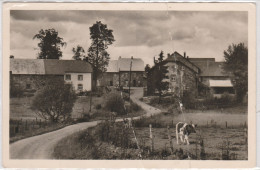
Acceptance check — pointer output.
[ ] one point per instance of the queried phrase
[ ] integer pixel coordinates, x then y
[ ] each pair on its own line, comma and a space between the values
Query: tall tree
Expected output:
161, 69
79, 53
101, 38
236, 63
50, 44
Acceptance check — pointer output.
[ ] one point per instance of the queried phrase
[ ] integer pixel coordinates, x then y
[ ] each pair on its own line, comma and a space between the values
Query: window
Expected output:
111, 83
80, 87
67, 77
80, 77
28, 86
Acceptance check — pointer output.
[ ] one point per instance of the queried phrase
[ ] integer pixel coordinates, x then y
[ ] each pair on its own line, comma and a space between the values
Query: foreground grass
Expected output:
35, 132
91, 144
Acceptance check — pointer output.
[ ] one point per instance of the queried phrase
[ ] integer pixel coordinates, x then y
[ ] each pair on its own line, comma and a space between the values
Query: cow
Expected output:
184, 129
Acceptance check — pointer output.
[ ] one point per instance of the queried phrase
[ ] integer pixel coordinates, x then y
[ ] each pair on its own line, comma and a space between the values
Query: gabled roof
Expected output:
66, 66
176, 57
209, 67
27, 66
48, 66
112, 66
123, 64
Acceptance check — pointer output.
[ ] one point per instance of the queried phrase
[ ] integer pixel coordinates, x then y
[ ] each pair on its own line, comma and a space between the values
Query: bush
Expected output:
115, 103
189, 100
98, 106
54, 101
134, 107
154, 100
85, 118
16, 91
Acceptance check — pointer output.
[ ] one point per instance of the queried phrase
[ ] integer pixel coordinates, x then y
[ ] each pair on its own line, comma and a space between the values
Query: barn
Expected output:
30, 74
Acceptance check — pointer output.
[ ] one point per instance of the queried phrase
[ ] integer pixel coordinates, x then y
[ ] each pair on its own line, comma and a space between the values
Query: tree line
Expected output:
101, 37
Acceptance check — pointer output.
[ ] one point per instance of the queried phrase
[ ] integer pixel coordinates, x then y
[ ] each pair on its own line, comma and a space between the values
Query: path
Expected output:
42, 146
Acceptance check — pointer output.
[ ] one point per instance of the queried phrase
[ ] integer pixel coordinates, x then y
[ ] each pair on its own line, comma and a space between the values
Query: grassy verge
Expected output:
26, 132
111, 140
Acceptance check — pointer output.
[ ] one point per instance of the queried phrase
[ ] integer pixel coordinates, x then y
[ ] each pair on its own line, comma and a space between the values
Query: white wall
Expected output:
86, 82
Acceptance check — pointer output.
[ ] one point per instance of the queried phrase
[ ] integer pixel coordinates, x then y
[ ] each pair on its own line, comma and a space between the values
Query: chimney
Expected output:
184, 54
132, 57
119, 57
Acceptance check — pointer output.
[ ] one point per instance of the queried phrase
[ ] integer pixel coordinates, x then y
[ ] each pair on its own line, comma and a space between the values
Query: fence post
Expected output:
170, 138
151, 138
26, 125
226, 125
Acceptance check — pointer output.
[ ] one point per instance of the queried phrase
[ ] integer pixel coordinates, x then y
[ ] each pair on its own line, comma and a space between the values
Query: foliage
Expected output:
98, 106
189, 100
98, 57
79, 53
12, 56
54, 101
236, 62
50, 44
147, 69
157, 75
115, 103
16, 91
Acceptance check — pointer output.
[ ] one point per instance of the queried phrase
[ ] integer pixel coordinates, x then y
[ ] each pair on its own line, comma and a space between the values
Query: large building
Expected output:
213, 76
31, 73
118, 73
182, 75
199, 76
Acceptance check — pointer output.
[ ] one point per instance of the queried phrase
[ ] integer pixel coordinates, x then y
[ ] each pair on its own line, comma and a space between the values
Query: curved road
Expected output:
42, 146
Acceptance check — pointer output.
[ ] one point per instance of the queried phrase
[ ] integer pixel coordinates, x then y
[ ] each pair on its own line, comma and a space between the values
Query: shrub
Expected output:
54, 101
154, 100
85, 118
98, 106
115, 103
134, 107
16, 91
189, 100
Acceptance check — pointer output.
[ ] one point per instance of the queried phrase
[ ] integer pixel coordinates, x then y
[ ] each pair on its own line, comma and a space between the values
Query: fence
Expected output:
18, 127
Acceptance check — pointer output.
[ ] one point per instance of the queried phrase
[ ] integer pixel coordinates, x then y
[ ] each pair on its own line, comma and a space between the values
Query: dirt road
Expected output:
42, 146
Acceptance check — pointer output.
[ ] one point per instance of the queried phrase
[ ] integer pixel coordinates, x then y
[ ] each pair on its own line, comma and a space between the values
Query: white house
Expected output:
27, 73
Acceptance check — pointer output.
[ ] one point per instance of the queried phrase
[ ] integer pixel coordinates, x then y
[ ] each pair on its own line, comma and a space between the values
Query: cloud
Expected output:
137, 33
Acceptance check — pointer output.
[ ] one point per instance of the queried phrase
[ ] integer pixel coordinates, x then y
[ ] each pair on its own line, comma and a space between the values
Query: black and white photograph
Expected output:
105, 84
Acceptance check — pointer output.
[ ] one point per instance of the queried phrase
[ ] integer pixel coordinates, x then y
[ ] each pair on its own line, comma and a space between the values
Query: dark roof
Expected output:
50, 66
177, 57
208, 67
65, 66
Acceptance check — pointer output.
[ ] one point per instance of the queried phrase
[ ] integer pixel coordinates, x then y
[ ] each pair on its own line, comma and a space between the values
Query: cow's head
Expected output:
191, 128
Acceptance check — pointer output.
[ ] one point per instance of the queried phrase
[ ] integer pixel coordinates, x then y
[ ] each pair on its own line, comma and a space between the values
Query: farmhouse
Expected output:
118, 73
198, 76
32, 73
213, 76
182, 75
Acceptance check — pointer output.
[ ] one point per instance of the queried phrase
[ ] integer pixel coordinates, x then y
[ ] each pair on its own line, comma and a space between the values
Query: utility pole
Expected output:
119, 79
130, 76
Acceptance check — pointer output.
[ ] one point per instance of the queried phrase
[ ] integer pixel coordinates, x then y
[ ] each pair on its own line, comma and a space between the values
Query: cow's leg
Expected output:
187, 139
181, 137
177, 136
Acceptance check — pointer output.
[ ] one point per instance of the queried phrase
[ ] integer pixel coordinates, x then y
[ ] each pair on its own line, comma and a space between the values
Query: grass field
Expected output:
215, 136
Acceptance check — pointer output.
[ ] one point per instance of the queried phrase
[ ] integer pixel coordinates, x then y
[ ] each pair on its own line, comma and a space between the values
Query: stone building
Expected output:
213, 76
199, 76
32, 73
118, 73
182, 75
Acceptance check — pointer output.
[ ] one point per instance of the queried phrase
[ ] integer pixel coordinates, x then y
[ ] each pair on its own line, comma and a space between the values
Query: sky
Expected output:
141, 34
